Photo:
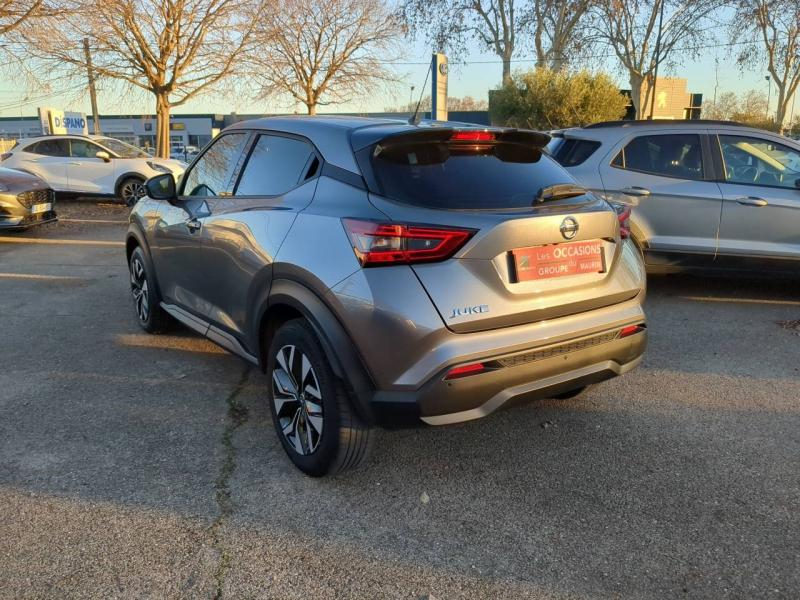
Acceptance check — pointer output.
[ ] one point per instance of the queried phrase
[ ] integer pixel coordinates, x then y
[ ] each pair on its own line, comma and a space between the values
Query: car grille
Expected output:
526, 357
33, 219
28, 199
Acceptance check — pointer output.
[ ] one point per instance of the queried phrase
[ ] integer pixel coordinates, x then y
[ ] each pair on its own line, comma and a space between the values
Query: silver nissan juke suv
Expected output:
385, 273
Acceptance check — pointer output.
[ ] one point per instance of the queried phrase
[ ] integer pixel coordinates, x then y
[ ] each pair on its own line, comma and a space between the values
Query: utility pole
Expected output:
92, 91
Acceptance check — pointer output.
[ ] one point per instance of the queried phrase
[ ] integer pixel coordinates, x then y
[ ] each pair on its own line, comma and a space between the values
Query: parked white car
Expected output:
89, 166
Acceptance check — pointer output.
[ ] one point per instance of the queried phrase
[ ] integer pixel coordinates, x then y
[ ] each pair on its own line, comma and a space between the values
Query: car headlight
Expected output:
158, 167
3, 187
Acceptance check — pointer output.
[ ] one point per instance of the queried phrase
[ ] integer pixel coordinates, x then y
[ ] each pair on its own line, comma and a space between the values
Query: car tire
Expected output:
316, 425
146, 299
131, 190
579, 391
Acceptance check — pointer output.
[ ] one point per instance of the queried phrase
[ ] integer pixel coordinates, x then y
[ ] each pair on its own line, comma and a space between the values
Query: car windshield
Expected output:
122, 149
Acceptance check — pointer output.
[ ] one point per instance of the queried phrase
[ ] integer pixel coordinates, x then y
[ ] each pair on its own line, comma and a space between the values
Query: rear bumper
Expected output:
539, 371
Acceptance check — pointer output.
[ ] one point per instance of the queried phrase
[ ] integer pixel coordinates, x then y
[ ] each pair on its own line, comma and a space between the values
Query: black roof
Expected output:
338, 136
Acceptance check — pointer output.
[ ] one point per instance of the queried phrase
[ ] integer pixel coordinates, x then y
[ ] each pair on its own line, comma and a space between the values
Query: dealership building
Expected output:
139, 130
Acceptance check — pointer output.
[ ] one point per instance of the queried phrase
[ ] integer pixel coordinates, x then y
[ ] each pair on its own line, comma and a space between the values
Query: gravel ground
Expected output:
145, 466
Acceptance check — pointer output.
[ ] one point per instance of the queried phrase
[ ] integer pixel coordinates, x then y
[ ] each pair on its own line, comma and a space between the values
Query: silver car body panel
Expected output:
223, 263
711, 220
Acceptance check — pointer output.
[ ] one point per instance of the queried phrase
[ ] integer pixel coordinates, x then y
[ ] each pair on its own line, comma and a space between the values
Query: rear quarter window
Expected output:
573, 152
448, 175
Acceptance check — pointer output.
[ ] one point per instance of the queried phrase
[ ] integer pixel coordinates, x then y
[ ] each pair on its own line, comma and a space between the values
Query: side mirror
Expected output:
104, 156
162, 187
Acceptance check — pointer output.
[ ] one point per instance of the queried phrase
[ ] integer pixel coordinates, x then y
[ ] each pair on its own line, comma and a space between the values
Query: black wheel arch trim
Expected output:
128, 175
135, 233
336, 343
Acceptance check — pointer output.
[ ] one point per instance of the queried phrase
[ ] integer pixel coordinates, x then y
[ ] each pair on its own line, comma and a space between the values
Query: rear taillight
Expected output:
377, 244
465, 370
4, 156
472, 136
624, 216
630, 330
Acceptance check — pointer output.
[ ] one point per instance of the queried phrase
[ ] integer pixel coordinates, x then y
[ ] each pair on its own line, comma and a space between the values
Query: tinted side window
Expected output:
574, 152
758, 161
675, 155
83, 149
276, 165
211, 174
51, 148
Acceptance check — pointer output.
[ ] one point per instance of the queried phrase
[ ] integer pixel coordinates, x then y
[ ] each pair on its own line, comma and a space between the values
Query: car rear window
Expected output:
448, 175
573, 152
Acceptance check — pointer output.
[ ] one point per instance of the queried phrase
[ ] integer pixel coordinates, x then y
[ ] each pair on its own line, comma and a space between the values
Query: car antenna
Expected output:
415, 118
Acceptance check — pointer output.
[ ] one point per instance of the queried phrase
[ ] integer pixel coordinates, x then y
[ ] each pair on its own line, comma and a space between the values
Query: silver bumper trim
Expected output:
504, 396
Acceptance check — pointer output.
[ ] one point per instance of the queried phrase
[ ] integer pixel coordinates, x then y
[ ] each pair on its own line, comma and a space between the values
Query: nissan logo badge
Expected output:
569, 228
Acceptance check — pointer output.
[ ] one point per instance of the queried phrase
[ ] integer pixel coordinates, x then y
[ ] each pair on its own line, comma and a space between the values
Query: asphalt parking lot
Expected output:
141, 466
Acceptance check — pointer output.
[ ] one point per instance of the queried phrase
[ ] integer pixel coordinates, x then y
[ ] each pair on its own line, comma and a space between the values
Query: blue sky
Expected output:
473, 79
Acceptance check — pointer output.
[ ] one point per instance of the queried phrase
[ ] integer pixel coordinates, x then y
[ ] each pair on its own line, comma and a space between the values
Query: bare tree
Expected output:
631, 28
775, 25
321, 52
467, 103
14, 12
749, 107
174, 49
559, 29
449, 24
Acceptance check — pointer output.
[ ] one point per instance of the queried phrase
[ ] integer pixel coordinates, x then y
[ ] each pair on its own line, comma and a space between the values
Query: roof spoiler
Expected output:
528, 137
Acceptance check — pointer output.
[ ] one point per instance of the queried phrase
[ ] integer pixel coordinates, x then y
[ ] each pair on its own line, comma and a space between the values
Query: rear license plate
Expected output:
40, 208
559, 260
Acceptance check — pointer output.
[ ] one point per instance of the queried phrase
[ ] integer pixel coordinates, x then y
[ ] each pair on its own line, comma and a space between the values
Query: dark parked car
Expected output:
386, 273
25, 200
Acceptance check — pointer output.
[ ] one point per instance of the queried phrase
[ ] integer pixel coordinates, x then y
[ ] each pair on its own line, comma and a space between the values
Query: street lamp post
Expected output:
769, 94
411, 97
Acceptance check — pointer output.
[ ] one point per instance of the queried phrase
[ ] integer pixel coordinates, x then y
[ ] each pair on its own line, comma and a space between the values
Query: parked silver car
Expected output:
25, 200
386, 273
703, 194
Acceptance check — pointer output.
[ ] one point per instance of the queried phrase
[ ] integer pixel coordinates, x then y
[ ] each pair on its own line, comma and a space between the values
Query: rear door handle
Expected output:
752, 201
635, 191
194, 225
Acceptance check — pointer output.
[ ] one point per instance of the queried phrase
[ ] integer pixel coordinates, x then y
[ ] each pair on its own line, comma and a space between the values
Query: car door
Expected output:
178, 234
668, 180
48, 160
760, 183
245, 230
85, 172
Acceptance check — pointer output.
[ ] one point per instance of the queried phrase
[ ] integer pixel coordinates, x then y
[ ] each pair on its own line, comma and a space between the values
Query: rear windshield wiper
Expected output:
559, 192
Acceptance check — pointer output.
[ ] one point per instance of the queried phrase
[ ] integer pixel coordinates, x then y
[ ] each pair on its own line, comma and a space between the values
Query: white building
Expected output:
139, 130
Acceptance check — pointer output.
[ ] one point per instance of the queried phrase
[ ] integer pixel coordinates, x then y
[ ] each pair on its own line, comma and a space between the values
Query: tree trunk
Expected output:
312, 107
781, 112
162, 125
558, 62
506, 67
640, 94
